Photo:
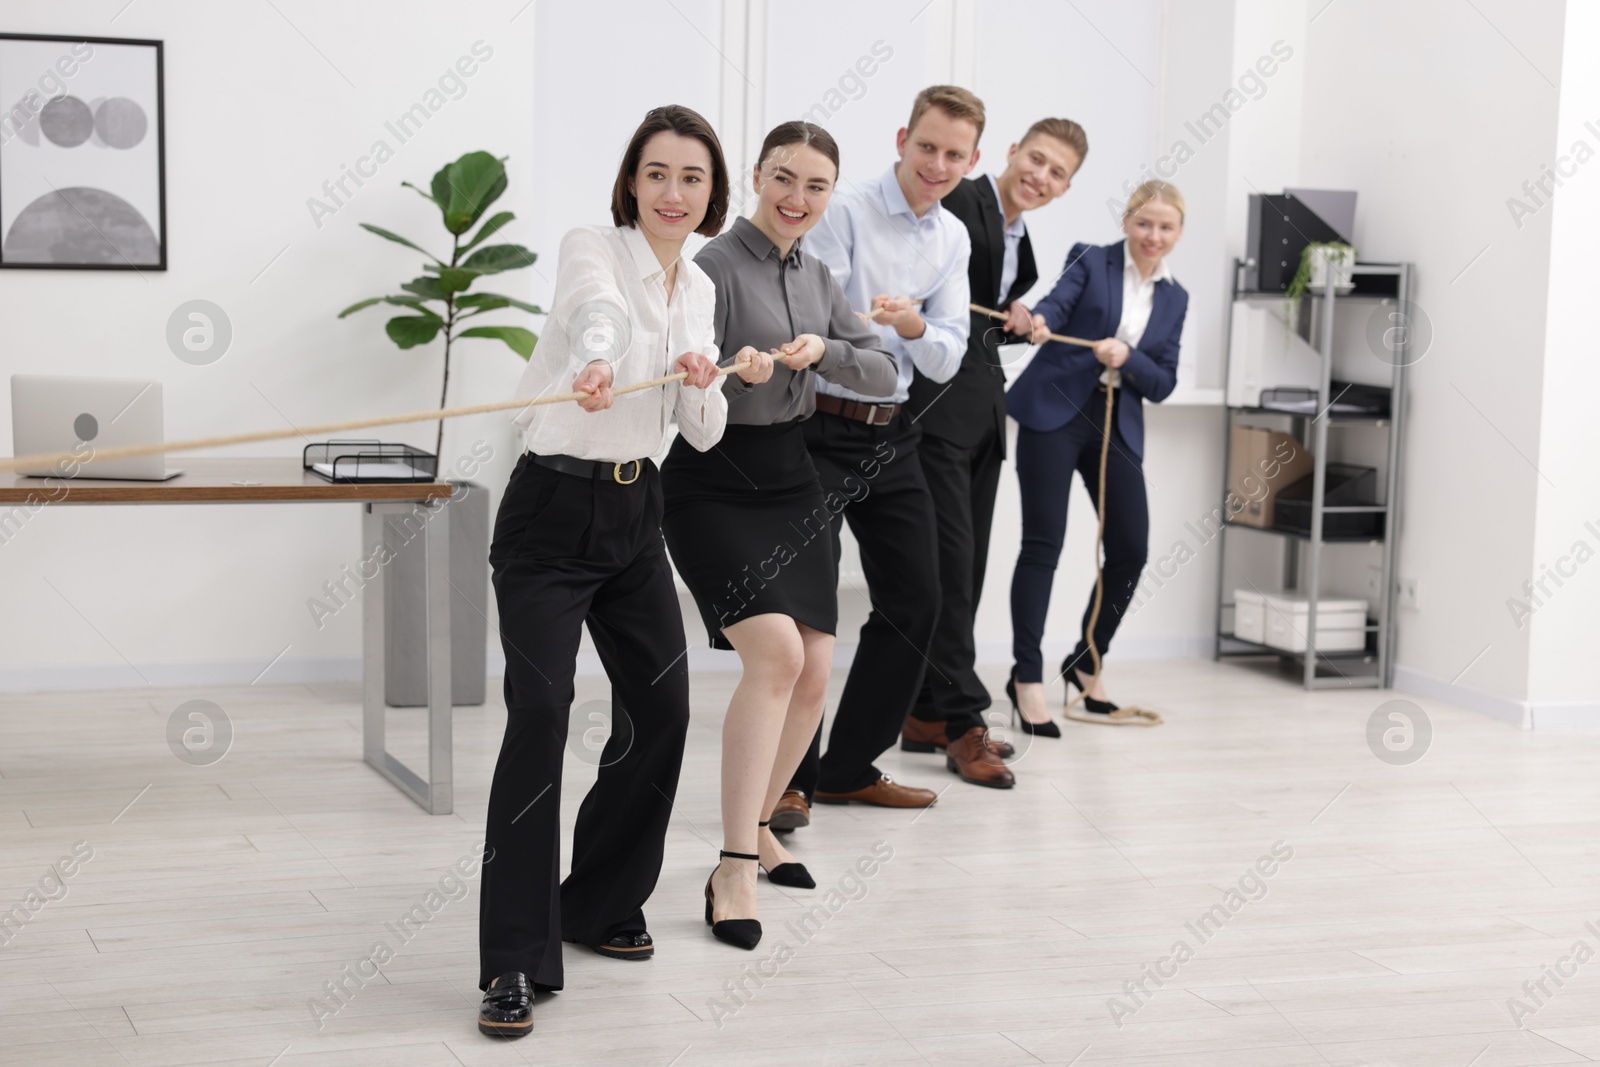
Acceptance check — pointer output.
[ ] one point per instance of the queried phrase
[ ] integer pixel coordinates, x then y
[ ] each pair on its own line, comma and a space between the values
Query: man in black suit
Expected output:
964, 421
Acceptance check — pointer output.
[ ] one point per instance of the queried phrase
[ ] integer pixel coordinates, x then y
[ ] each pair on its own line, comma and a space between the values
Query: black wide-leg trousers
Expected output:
569, 550
963, 481
874, 473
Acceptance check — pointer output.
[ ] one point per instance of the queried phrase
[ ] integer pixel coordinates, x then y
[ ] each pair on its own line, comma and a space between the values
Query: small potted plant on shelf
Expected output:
1316, 260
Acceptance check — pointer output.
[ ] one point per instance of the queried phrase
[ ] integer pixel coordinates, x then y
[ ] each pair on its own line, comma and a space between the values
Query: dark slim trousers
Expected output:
874, 469
1045, 462
963, 482
569, 550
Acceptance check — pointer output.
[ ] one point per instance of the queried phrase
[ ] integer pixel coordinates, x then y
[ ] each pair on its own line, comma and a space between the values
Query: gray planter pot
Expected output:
405, 680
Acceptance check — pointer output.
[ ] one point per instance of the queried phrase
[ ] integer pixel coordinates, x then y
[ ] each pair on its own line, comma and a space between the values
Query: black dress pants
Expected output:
872, 473
569, 550
1045, 462
963, 482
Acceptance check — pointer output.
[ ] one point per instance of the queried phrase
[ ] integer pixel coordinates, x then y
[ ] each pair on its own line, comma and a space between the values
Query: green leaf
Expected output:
496, 258
475, 181
425, 287
381, 232
488, 301
441, 188
486, 229
414, 304
480, 307
519, 340
408, 331
362, 304
426, 196
456, 279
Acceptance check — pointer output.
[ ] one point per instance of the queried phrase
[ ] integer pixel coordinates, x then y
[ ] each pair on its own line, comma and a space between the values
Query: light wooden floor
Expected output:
1417, 901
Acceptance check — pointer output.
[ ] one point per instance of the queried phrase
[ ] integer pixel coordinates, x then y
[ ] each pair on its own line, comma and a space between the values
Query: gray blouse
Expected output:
766, 301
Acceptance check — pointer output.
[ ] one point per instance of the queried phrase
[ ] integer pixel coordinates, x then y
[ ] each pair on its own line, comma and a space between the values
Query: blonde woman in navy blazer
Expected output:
1125, 294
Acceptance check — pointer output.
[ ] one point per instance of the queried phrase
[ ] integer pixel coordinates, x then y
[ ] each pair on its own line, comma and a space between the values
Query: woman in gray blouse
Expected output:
747, 522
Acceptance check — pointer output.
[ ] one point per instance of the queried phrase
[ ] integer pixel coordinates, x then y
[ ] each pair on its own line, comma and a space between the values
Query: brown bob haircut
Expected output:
685, 122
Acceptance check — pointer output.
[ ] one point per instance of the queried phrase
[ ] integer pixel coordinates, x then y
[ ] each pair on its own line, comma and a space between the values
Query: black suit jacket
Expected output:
962, 410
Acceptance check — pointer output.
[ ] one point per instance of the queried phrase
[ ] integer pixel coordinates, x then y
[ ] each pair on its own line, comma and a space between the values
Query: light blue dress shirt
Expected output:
1014, 233
873, 243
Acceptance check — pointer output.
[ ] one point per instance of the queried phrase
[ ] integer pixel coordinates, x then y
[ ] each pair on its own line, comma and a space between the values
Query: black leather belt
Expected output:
857, 410
625, 473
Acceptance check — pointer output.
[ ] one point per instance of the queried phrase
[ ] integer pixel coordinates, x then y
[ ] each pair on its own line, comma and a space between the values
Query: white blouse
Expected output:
611, 304
1138, 300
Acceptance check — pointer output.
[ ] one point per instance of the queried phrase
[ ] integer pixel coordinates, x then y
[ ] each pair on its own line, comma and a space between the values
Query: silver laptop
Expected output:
51, 414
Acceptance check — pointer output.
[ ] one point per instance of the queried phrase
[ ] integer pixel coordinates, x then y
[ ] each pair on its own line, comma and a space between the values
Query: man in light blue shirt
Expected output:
908, 263
902, 259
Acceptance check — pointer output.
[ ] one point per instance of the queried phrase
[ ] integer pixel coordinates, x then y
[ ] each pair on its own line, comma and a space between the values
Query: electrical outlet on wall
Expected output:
1409, 595
1374, 585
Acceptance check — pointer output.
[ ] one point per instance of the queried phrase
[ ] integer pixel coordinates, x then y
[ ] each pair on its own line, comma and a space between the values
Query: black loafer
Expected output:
634, 946
507, 1009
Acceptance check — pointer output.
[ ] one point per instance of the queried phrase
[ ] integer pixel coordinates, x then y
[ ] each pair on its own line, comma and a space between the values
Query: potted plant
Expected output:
438, 300
1316, 260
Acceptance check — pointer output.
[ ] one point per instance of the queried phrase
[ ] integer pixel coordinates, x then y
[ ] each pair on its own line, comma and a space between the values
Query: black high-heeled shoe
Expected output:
1038, 729
741, 933
1090, 704
793, 875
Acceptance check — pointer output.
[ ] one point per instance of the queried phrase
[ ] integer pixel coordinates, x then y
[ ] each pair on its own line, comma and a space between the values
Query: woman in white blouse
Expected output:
578, 539
1124, 295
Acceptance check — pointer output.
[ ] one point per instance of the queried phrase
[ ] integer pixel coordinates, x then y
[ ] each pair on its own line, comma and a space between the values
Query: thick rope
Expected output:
1002, 316
1128, 714
195, 444
53, 459
1099, 547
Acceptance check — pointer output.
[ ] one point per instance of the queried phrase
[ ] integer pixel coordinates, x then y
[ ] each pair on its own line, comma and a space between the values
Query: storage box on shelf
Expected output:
1282, 622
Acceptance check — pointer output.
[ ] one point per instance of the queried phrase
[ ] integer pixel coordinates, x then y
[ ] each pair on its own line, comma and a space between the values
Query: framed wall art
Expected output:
82, 154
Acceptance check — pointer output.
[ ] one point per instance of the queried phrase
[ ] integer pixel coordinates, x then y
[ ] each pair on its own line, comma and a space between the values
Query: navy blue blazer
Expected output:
1087, 302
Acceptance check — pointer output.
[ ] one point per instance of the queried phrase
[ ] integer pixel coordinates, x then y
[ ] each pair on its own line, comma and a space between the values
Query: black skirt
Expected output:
749, 529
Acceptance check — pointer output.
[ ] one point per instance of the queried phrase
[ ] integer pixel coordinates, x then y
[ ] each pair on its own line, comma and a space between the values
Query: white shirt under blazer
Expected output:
611, 304
1138, 299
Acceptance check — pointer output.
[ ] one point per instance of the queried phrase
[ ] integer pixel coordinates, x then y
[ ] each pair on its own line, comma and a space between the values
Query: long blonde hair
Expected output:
1155, 189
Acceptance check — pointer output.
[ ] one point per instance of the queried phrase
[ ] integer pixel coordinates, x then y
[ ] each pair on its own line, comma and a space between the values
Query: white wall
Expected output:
1436, 120
1563, 626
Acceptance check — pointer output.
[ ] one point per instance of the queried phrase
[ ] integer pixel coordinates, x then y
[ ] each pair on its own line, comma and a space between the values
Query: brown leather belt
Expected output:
856, 410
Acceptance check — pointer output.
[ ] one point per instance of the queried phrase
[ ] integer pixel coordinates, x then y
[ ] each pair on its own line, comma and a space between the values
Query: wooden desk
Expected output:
282, 481
207, 480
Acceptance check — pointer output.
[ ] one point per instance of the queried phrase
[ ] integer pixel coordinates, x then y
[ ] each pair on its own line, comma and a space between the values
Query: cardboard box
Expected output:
1260, 463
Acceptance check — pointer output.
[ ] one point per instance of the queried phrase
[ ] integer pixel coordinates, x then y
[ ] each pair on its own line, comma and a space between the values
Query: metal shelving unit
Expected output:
1389, 282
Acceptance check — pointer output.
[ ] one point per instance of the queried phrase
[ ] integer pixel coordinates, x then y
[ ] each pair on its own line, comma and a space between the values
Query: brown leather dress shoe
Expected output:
971, 757
791, 812
885, 793
920, 736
